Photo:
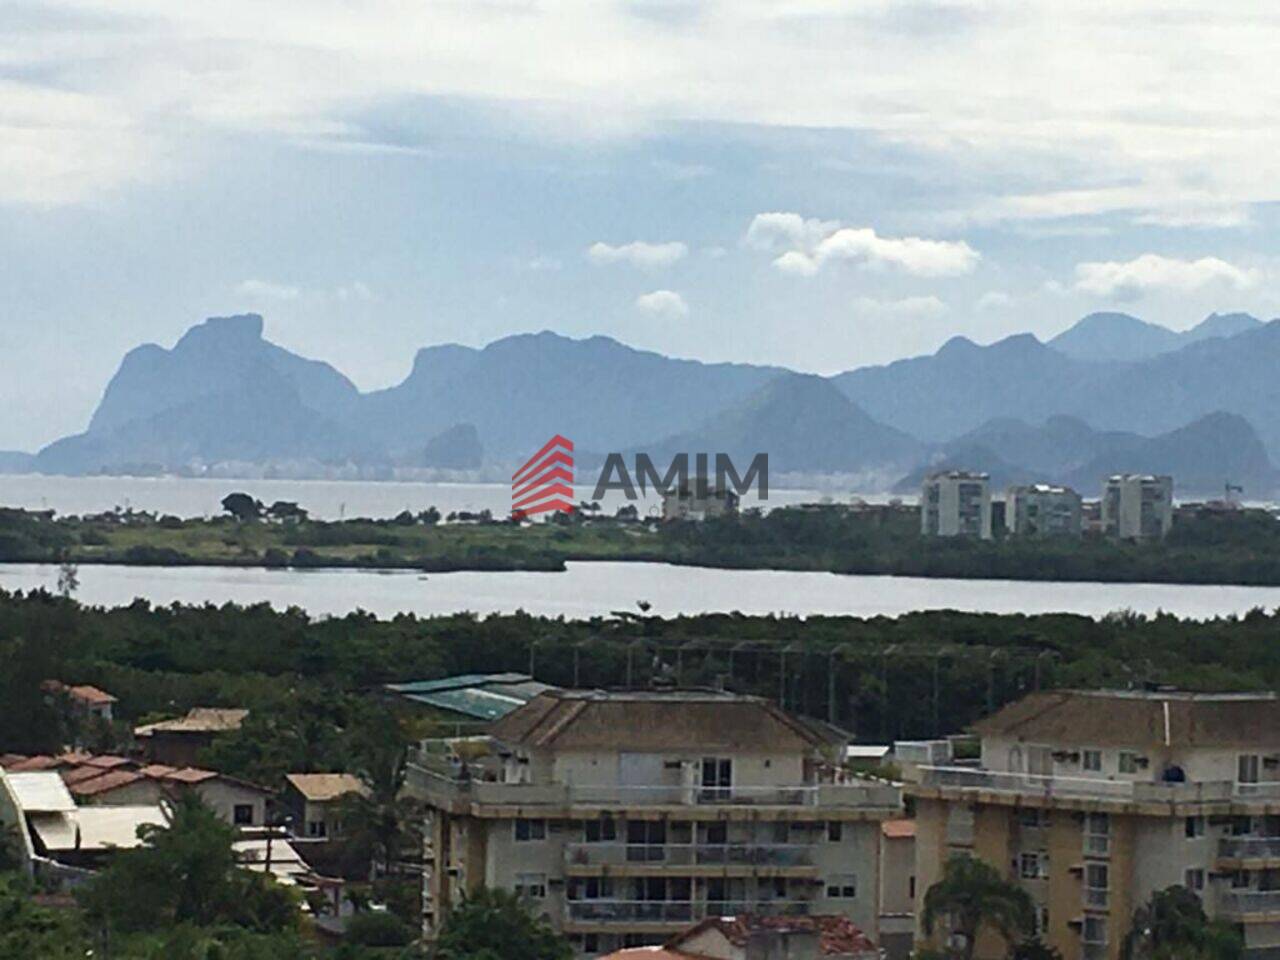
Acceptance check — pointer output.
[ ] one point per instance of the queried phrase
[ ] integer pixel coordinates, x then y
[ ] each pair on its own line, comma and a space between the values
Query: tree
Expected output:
381, 822
1174, 926
282, 510
28, 930
973, 894
495, 924
186, 873
242, 506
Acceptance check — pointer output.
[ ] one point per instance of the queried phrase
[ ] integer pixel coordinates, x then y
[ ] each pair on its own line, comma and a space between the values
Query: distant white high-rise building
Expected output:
956, 503
1137, 507
1043, 510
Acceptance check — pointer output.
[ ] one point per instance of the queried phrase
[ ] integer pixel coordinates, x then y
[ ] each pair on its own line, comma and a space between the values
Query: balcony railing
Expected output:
1097, 788
433, 784
1246, 902
1249, 848
626, 912
1095, 898
689, 854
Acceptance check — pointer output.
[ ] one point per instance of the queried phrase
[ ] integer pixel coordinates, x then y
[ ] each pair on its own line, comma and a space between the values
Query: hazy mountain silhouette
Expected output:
1119, 336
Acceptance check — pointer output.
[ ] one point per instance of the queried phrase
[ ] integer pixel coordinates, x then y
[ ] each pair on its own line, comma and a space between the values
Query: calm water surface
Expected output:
589, 589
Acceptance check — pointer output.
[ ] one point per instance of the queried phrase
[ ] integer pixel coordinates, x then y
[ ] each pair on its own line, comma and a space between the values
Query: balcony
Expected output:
1249, 848
1091, 788
688, 854
1248, 903
444, 788
1095, 898
635, 912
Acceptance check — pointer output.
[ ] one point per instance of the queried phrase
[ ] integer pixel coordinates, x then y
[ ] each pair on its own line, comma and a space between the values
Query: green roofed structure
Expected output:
475, 696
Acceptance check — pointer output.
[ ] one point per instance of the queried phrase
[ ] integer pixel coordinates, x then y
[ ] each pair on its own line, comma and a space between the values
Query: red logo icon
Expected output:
545, 483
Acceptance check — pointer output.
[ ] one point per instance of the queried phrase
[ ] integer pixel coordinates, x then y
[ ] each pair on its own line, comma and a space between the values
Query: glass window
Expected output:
1194, 880
242, 815
1128, 762
1194, 827
604, 830
527, 830
1033, 866
1092, 760
531, 886
835, 831
1247, 768
1095, 929
842, 887
1096, 876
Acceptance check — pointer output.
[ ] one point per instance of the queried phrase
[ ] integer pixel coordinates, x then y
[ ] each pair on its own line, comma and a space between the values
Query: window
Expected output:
531, 886
591, 888
1096, 875
842, 887
1239, 879
1128, 762
604, 830
835, 831
1042, 920
1033, 866
911, 887
316, 828
717, 777
242, 815
646, 840
1194, 827
527, 830
1095, 930
1247, 768
1033, 818
1194, 880
1092, 760
1097, 831
590, 943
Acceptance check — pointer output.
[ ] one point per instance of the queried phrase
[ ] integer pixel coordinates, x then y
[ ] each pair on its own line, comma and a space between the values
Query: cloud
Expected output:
1130, 279
663, 303
266, 290
994, 300
908, 308
638, 253
810, 244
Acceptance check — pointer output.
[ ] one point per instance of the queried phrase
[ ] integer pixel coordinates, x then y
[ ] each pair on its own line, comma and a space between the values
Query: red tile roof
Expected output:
39, 762
111, 780
9, 759
107, 762
838, 936
898, 829
91, 694
190, 775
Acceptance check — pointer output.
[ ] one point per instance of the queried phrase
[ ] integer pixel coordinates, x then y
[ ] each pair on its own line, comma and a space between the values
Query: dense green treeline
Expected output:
1238, 547
310, 683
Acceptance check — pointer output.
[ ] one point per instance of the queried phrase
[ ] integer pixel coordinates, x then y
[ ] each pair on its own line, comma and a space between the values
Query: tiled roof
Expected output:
713, 720
898, 829
1133, 718
837, 936
111, 780
320, 787
91, 694
198, 720
38, 762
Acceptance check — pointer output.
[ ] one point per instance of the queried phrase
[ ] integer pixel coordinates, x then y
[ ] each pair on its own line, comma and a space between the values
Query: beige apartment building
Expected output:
1043, 510
956, 503
626, 817
1136, 507
1093, 801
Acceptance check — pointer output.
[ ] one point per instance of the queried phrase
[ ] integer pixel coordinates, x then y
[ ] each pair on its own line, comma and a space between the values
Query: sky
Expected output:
811, 183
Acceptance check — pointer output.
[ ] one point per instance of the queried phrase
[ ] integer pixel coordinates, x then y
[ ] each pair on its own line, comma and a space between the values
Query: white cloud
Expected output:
994, 300
266, 290
638, 253
908, 308
663, 303
810, 244
1129, 279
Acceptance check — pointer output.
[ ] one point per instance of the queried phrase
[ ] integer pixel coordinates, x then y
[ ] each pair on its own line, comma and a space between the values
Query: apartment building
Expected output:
956, 503
1043, 510
1093, 801
1137, 507
625, 817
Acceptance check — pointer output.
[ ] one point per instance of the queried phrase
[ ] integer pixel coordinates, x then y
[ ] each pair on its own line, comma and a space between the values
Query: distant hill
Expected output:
805, 424
1202, 456
15, 461
458, 448
1120, 337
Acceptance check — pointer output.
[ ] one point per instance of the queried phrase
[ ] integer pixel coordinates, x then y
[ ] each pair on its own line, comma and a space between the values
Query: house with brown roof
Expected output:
624, 817
1093, 800
178, 742
750, 937
315, 802
84, 699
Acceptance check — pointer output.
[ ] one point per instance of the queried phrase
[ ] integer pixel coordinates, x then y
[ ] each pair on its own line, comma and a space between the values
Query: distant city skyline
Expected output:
808, 183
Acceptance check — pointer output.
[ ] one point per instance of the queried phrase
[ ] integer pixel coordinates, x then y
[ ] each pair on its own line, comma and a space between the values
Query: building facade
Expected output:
1043, 510
1137, 507
1093, 801
956, 503
625, 817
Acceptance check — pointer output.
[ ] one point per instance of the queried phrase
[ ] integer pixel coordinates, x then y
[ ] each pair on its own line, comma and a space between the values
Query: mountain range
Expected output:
1112, 393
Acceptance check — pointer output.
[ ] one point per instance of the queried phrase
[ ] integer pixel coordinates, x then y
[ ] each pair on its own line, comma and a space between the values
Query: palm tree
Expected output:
1174, 924
972, 893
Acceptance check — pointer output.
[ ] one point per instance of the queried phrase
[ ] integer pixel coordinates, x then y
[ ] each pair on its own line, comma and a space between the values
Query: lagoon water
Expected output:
597, 589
